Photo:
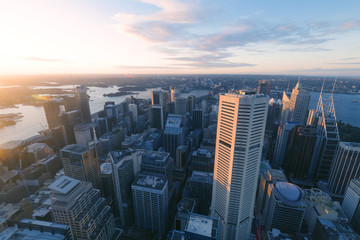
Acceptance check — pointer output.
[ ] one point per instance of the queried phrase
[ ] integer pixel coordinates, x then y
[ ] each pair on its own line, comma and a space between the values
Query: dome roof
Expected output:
288, 191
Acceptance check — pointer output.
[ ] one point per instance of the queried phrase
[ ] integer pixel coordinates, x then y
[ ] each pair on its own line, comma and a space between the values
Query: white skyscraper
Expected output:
240, 137
299, 103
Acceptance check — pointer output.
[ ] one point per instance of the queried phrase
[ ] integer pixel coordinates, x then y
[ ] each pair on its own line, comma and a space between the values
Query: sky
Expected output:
305, 37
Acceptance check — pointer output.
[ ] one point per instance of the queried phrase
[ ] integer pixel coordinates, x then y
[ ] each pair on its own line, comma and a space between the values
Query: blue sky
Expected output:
169, 36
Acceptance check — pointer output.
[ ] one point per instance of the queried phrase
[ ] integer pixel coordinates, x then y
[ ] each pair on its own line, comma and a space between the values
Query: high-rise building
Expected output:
199, 187
240, 137
267, 177
351, 202
174, 134
284, 131
133, 109
329, 134
151, 202
157, 116
181, 157
52, 109
174, 94
197, 119
299, 103
180, 106
70, 120
201, 160
170, 107
111, 113
83, 103
158, 164
190, 104
79, 205
264, 87
158, 98
285, 112
284, 207
122, 163
83, 133
301, 155
82, 163
346, 166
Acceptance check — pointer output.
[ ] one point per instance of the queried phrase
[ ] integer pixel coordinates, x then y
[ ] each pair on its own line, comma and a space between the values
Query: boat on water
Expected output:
355, 101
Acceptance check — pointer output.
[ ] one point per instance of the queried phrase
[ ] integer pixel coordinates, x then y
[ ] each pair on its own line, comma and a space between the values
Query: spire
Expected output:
298, 84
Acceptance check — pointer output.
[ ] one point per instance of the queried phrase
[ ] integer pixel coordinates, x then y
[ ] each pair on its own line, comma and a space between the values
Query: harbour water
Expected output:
34, 119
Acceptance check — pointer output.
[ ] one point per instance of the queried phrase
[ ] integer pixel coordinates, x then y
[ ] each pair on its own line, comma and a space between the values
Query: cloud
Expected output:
44, 59
180, 30
350, 58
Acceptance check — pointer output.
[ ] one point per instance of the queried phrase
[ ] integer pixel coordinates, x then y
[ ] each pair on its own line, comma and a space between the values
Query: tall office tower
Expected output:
83, 103
190, 104
199, 187
181, 156
282, 138
174, 134
311, 118
267, 178
122, 163
284, 207
285, 112
201, 160
102, 126
170, 107
82, 163
351, 202
150, 196
158, 164
346, 166
83, 134
299, 103
111, 112
157, 116
240, 137
327, 125
52, 109
69, 120
174, 94
204, 106
107, 180
133, 109
264, 87
59, 137
197, 121
180, 106
79, 205
158, 98
301, 155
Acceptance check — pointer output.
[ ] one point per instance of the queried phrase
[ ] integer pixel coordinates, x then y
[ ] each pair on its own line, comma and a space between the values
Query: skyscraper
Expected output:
285, 113
174, 94
285, 207
190, 104
52, 110
240, 136
299, 103
180, 106
351, 202
197, 119
150, 196
133, 109
83, 103
174, 134
79, 205
264, 87
82, 163
158, 98
157, 116
346, 166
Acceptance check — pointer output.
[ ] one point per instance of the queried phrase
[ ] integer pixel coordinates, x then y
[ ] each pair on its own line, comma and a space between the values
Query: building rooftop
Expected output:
177, 235
150, 182
36, 147
75, 148
44, 223
117, 156
275, 175
154, 156
288, 191
338, 229
201, 225
105, 168
202, 152
64, 184
186, 205
354, 146
174, 121
7, 211
205, 177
